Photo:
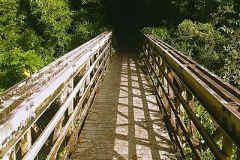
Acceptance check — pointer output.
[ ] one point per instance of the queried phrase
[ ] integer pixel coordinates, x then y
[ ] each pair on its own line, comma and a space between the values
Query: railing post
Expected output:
159, 74
26, 142
71, 105
58, 127
170, 91
165, 86
57, 130
227, 146
13, 155
171, 96
88, 78
238, 154
190, 101
181, 110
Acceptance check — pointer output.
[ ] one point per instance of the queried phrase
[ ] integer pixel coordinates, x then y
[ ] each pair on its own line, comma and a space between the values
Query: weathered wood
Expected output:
24, 104
227, 146
124, 121
190, 125
12, 155
26, 142
71, 106
217, 97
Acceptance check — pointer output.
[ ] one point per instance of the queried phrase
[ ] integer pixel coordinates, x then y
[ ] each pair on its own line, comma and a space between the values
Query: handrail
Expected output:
68, 83
177, 79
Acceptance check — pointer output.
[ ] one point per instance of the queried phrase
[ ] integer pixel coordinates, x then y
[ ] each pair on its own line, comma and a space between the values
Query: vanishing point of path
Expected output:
124, 122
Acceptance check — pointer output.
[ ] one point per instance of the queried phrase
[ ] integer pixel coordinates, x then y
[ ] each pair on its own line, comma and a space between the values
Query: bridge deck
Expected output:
124, 121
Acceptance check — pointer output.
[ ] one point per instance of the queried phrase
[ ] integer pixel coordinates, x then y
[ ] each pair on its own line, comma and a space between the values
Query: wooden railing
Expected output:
41, 116
181, 84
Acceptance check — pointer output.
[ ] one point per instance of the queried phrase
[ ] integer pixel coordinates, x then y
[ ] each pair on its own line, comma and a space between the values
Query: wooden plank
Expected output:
124, 121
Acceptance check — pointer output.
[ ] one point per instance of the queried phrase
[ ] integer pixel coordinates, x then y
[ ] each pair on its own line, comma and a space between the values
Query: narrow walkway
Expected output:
124, 122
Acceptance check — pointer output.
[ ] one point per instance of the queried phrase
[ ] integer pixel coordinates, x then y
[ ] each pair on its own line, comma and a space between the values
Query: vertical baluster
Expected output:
107, 54
171, 95
26, 142
154, 65
227, 146
181, 108
95, 67
238, 153
92, 59
110, 51
88, 78
160, 75
146, 58
170, 91
13, 155
177, 107
71, 106
150, 62
57, 130
190, 101
165, 86
100, 60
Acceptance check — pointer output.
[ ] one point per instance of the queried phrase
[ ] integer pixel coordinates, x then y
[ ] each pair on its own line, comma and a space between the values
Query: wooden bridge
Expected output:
93, 103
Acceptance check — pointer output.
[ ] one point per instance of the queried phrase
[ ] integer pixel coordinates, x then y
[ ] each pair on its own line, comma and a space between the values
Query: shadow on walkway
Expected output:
124, 122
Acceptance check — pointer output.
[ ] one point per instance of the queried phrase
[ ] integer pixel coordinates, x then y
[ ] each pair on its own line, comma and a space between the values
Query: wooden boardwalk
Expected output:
124, 121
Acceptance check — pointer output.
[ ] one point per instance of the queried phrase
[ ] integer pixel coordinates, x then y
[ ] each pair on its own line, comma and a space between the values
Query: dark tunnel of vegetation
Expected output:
128, 17
34, 33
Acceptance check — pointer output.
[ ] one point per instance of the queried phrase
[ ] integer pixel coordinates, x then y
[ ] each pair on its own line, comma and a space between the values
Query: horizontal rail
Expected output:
18, 93
23, 105
220, 99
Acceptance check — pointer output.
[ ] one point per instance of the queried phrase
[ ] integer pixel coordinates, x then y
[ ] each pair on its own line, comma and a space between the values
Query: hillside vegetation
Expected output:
34, 33
208, 32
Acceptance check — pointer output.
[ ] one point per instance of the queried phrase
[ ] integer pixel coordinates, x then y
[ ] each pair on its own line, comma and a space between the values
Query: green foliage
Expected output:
61, 150
16, 65
227, 18
9, 27
204, 117
161, 33
88, 20
216, 49
54, 18
231, 68
17, 57
208, 32
33, 33
202, 42
218, 53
